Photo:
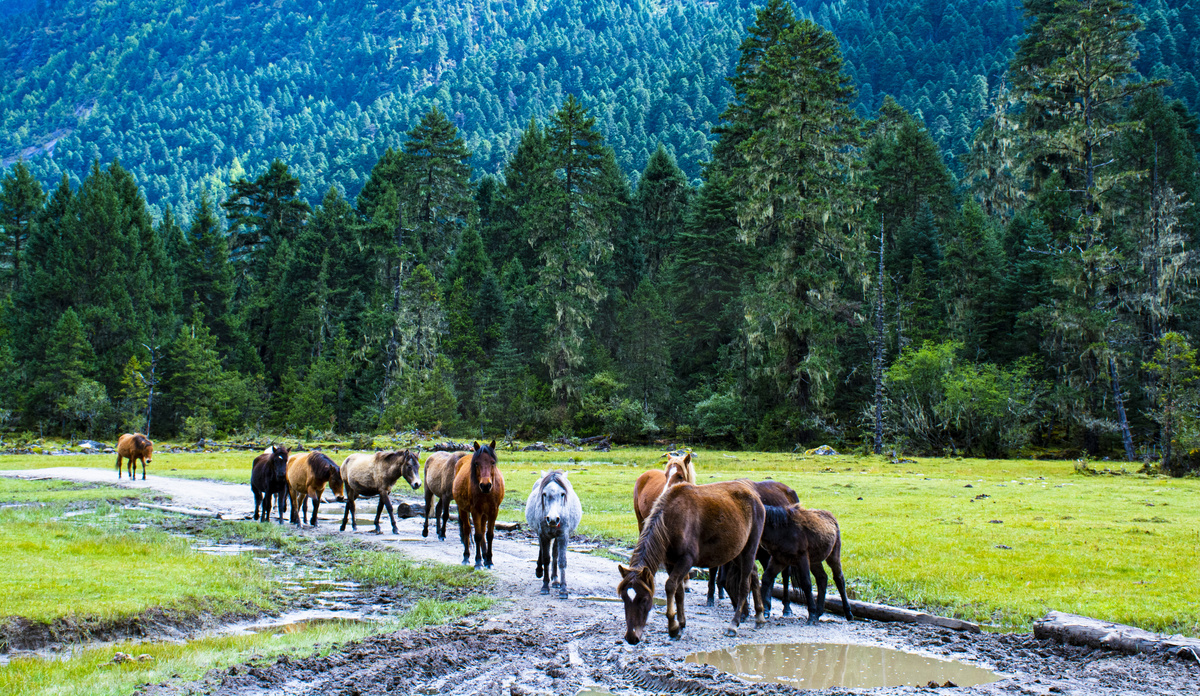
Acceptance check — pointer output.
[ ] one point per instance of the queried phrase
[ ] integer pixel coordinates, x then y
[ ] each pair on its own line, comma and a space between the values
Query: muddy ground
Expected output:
532, 644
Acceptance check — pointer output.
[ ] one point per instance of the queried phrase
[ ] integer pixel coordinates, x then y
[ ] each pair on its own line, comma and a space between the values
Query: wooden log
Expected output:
1082, 630
882, 612
450, 446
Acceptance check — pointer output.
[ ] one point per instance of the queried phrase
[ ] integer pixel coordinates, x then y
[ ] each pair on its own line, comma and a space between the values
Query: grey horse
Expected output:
553, 511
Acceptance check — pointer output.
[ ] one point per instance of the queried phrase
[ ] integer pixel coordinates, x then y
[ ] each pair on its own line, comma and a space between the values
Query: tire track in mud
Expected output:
533, 644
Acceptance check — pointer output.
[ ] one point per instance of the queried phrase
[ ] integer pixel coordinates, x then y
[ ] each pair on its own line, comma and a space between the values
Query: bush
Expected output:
936, 402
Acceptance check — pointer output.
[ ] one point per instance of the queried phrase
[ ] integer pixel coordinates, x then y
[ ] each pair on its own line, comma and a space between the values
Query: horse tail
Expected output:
776, 516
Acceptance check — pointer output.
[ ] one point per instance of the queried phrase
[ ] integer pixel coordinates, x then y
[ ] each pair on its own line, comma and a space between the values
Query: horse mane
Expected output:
554, 476
651, 546
323, 467
777, 516
141, 441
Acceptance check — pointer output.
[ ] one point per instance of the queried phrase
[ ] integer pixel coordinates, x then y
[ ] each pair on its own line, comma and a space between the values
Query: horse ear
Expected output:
622, 570
492, 446
647, 576
475, 445
687, 459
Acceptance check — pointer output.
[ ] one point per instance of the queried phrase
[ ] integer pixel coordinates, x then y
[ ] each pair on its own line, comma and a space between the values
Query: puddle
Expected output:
233, 550
826, 665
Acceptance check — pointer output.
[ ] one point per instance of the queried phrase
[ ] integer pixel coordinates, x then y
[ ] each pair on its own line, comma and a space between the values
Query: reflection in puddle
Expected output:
825, 665
300, 626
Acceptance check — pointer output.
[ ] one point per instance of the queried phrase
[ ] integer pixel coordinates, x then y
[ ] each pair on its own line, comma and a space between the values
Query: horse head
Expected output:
408, 464
554, 499
335, 480
279, 460
144, 446
679, 469
636, 590
483, 466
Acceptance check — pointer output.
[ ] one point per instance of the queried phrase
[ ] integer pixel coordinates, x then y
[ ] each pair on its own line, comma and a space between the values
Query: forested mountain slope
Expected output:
192, 94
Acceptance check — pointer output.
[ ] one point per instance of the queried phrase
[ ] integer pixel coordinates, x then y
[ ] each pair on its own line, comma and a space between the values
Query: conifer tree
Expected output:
660, 206
906, 169
205, 273
21, 200
437, 168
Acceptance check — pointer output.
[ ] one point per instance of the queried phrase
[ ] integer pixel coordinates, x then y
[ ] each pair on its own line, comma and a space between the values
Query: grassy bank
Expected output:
928, 533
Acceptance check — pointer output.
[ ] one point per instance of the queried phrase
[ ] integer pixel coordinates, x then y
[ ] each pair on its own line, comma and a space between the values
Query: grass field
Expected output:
928, 533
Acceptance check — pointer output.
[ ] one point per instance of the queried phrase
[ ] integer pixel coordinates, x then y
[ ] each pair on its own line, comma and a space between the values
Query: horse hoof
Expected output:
488, 565
545, 590
563, 595
554, 584
395, 532
711, 603
766, 614
466, 562
478, 566
425, 533
441, 537
760, 622
677, 636
813, 621
731, 632
787, 612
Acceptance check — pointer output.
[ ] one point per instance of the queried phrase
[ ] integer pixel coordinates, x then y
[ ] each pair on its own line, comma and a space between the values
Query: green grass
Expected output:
91, 567
1121, 548
14, 490
391, 569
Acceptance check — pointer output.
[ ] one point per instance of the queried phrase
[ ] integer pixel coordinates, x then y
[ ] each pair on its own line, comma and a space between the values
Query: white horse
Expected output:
553, 511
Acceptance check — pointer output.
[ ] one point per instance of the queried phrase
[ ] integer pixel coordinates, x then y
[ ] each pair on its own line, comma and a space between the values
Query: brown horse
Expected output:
651, 484
770, 493
307, 475
803, 539
440, 468
690, 525
374, 473
478, 492
134, 446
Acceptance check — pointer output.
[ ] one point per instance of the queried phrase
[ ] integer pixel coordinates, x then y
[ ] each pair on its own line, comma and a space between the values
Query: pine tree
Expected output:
906, 169
644, 354
262, 213
69, 361
205, 273
971, 272
437, 168
660, 206
21, 200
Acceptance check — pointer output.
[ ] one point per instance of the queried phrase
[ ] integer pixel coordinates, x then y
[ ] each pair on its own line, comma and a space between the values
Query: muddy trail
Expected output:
533, 644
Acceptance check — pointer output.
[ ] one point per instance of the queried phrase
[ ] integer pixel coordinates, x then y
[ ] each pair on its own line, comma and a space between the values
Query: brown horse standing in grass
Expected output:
374, 473
651, 484
134, 446
440, 468
802, 539
705, 526
307, 475
478, 492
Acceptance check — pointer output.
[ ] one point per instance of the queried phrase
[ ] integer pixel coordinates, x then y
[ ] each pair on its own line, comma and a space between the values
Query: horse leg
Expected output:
386, 499
118, 467
257, 503
712, 586
680, 615
768, 583
143, 468
835, 566
756, 591
464, 531
445, 518
281, 503
552, 561
266, 505
346, 514
316, 501
800, 576
543, 562
491, 533
822, 584
428, 502
673, 582
562, 565
480, 529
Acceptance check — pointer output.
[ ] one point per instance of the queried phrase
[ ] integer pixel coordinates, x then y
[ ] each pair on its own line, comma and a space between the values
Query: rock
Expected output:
120, 658
823, 450
145, 657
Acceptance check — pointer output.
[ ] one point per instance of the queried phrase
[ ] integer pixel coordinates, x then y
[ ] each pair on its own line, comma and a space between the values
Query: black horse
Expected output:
268, 479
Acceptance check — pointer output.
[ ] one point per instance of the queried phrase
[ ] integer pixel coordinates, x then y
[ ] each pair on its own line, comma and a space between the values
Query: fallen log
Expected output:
536, 447
595, 438
450, 446
1094, 633
882, 612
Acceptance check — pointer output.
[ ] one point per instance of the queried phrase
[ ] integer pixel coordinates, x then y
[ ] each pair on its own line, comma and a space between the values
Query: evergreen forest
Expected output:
936, 228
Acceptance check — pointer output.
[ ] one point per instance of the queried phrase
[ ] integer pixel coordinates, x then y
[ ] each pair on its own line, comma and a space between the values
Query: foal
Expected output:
803, 539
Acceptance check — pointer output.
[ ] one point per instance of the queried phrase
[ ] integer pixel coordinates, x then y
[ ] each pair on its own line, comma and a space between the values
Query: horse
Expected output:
803, 539
478, 492
553, 510
708, 526
134, 446
374, 473
307, 475
440, 468
771, 493
652, 483
268, 480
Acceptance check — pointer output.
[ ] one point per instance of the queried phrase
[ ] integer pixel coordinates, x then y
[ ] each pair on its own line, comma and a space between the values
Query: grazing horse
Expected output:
771, 493
307, 475
134, 446
651, 484
690, 525
268, 480
440, 468
553, 511
478, 492
375, 473
803, 539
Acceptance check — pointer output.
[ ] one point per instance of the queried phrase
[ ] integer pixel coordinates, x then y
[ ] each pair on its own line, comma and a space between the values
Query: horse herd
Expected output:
725, 527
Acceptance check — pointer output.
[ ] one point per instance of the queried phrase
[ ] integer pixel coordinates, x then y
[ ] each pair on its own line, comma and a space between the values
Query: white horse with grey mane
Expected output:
553, 511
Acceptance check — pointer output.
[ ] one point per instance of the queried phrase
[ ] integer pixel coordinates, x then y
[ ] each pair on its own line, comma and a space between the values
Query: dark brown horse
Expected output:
307, 476
478, 492
134, 446
268, 481
440, 468
802, 539
373, 474
705, 526
770, 493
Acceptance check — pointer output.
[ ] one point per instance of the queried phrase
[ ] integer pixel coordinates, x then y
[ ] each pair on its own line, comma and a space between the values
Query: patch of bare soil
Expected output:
21, 634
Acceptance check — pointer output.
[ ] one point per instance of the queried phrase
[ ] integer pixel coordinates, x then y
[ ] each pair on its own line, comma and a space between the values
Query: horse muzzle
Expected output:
552, 523
633, 637
340, 499
416, 485
485, 487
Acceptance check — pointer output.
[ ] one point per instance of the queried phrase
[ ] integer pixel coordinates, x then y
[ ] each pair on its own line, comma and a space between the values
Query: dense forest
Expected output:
813, 261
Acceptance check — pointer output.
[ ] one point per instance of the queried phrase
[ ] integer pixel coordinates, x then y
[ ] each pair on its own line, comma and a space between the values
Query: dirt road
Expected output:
531, 643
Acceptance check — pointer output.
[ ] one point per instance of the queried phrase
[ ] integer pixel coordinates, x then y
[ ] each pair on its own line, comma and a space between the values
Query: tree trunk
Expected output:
877, 367
1122, 420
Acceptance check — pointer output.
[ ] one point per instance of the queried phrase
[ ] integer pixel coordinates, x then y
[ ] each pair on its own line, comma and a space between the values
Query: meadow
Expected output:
1000, 542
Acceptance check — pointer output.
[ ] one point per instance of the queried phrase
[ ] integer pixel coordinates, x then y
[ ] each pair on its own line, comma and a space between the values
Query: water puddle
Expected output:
826, 665
296, 622
234, 550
